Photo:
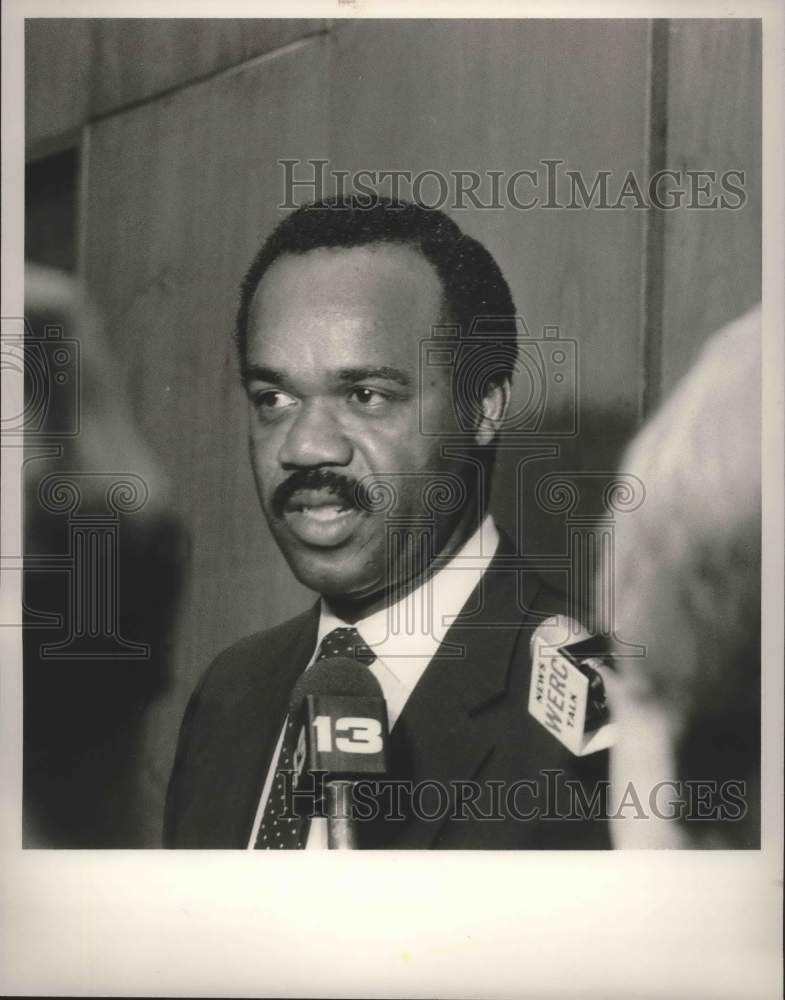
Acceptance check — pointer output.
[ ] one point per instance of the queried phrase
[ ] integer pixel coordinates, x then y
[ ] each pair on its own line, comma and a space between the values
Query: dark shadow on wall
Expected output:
550, 495
51, 210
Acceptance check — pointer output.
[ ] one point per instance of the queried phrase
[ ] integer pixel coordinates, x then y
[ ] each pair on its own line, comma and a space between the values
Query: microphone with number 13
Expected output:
336, 729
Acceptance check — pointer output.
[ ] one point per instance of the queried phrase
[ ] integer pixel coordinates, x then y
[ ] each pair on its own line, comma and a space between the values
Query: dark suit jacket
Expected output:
466, 720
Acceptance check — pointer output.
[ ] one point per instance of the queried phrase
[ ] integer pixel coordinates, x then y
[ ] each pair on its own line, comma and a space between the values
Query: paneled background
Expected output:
178, 126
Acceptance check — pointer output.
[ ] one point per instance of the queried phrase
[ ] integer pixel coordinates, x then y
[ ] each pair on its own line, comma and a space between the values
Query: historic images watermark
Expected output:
86, 504
543, 366
51, 367
545, 413
552, 797
548, 184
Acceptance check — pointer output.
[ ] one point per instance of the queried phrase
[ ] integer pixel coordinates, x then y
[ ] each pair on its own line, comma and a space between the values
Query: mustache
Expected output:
348, 491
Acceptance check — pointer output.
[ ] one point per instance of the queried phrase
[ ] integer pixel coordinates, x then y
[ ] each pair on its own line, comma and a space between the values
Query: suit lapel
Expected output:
442, 735
260, 713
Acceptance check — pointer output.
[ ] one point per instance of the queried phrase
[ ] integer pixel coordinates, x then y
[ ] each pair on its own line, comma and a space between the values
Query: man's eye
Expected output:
366, 397
272, 401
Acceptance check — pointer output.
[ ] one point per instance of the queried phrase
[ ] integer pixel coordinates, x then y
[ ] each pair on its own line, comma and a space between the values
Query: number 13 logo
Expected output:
352, 734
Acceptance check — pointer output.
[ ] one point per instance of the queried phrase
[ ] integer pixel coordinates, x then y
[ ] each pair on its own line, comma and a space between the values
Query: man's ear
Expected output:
495, 402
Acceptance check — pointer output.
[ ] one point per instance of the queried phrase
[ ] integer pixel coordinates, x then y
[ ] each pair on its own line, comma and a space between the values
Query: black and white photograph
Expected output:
392, 461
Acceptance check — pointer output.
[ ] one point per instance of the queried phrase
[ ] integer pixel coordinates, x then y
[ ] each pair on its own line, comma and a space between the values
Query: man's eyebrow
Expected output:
383, 372
259, 373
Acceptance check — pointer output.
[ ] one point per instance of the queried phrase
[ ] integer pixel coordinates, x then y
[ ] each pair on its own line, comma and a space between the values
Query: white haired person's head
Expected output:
687, 589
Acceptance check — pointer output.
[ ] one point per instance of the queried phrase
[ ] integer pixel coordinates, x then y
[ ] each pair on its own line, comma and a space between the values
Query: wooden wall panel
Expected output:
58, 79
487, 95
712, 257
180, 51
180, 192
83, 68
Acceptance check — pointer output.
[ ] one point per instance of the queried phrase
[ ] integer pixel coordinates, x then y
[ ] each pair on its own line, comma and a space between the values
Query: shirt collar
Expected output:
406, 635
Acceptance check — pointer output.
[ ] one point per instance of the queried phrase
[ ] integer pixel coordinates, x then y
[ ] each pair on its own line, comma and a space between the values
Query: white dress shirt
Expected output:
404, 638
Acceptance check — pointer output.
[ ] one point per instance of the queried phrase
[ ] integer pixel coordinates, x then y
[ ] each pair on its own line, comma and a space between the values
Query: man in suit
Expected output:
373, 462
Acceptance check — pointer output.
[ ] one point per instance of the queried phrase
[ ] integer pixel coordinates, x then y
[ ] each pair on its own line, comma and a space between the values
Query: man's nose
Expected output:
314, 438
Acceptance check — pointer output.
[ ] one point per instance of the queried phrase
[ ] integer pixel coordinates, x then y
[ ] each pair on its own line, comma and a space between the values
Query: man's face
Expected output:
334, 389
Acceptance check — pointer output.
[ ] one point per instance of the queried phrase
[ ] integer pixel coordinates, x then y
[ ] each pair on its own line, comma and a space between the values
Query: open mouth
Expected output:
319, 517
327, 513
324, 502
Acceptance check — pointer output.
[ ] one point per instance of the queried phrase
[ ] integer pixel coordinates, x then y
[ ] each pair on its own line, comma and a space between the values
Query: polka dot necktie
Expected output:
289, 832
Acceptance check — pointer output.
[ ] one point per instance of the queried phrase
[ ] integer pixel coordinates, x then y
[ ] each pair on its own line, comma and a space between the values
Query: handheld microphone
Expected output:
342, 734
566, 692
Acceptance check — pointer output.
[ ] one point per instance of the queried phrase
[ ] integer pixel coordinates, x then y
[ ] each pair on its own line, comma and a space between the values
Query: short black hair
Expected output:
472, 281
